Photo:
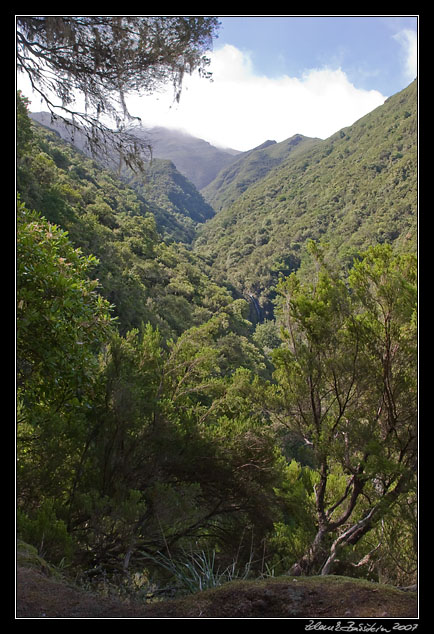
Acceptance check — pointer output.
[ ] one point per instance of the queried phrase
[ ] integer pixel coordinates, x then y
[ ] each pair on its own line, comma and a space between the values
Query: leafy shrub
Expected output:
46, 532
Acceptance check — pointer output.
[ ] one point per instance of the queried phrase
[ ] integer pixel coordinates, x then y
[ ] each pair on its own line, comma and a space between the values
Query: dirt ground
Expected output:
39, 595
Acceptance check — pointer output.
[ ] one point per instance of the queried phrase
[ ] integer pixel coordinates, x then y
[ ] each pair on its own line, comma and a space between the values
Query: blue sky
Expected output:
276, 76
367, 48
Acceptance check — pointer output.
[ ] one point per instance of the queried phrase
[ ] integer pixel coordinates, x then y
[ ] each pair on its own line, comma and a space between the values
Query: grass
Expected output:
210, 593
196, 571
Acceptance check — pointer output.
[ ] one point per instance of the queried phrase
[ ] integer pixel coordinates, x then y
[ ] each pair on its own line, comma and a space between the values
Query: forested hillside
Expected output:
249, 168
196, 159
166, 440
174, 201
353, 190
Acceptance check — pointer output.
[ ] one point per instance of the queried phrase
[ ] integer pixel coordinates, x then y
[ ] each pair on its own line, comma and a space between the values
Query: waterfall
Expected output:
257, 308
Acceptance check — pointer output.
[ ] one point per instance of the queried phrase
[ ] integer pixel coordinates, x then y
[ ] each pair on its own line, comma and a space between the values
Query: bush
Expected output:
46, 533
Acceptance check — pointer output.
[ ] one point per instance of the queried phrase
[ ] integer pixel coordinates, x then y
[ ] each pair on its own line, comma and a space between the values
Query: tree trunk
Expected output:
351, 536
311, 562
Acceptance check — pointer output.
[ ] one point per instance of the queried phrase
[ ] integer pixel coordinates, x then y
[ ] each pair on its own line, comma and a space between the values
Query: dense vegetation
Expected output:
161, 189
158, 428
353, 190
145, 278
249, 168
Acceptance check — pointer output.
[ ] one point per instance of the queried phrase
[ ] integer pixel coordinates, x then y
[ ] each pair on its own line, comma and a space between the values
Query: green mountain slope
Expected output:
173, 199
168, 431
175, 202
196, 159
354, 189
145, 278
250, 167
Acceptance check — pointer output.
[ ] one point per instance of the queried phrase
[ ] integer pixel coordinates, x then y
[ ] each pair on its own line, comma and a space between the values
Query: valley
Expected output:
250, 215
217, 372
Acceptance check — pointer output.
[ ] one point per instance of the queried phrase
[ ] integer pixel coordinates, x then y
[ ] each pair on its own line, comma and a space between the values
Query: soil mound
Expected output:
39, 595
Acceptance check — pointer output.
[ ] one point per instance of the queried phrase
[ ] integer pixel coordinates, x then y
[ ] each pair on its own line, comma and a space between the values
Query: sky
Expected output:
276, 76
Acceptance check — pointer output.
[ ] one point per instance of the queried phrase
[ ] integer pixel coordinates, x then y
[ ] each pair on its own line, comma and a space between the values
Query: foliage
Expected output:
105, 58
353, 190
149, 446
61, 317
251, 167
177, 205
181, 434
61, 322
392, 549
47, 533
198, 571
168, 455
293, 534
346, 376
24, 126
145, 278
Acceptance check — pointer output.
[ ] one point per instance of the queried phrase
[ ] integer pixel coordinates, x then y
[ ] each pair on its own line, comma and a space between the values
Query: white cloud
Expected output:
241, 110
408, 42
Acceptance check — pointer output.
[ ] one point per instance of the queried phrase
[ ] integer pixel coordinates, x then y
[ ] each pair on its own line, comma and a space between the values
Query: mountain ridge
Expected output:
174, 200
197, 159
354, 189
250, 167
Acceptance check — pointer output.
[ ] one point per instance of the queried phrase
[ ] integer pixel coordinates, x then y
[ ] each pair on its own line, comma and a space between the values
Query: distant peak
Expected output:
264, 145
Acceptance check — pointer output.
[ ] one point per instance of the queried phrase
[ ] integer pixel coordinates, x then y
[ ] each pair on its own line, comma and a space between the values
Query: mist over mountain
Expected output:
256, 209
197, 159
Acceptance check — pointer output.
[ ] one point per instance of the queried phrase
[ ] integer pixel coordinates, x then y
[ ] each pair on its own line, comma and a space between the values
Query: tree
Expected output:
346, 377
105, 58
24, 126
173, 454
61, 323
